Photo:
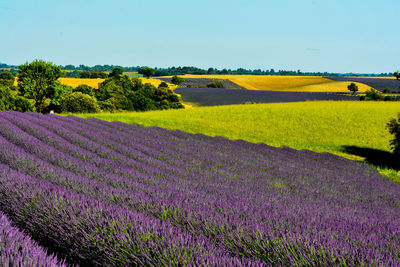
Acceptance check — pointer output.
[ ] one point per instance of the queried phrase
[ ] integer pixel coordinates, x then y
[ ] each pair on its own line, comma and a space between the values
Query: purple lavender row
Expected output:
60, 133
47, 153
18, 249
295, 167
232, 145
79, 184
175, 152
313, 208
90, 232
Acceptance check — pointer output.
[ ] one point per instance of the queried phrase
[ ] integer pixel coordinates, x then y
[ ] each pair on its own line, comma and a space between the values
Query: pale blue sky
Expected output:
311, 35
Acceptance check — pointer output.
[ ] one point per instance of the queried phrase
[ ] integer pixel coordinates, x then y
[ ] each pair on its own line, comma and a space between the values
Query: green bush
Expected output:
22, 104
394, 129
373, 94
7, 79
216, 84
177, 80
6, 98
84, 89
10, 102
79, 103
163, 85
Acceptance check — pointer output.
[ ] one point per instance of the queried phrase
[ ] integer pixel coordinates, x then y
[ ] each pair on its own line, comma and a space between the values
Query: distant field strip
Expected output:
285, 83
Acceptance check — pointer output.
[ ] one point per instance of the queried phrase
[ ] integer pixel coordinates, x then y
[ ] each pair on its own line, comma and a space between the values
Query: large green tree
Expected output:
38, 81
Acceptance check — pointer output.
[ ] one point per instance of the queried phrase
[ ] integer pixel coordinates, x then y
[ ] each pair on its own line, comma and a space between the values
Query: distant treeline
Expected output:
75, 71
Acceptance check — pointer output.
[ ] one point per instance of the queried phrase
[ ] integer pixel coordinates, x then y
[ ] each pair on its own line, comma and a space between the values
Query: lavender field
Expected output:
223, 96
376, 83
88, 192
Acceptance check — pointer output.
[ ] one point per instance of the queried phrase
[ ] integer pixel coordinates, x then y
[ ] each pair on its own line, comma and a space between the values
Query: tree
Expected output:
394, 128
116, 72
177, 80
146, 71
353, 88
397, 75
37, 80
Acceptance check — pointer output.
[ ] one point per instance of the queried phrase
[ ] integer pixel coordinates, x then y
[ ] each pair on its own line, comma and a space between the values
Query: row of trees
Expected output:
39, 89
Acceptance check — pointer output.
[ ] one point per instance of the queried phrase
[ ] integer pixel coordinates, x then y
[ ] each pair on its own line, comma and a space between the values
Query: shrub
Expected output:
177, 80
79, 103
216, 84
387, 91
394, 128
22, 104
163, 85
373, 94
84, 89
6, 99
7, 79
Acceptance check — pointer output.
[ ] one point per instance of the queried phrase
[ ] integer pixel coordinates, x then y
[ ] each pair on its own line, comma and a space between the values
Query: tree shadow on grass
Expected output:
375, 156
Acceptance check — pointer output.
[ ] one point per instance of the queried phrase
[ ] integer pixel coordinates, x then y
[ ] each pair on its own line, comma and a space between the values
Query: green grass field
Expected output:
356, 130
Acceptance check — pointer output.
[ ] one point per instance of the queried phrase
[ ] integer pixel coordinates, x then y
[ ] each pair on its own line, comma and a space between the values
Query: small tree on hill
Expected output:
394, 128
146, 71
353, 88
177, 80
397, 74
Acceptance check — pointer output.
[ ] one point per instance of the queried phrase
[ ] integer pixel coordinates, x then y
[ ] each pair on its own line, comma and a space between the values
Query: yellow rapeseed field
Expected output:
74, 82
285, 83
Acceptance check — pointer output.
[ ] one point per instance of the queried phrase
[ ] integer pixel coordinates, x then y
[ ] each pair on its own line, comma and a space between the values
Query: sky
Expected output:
359, 36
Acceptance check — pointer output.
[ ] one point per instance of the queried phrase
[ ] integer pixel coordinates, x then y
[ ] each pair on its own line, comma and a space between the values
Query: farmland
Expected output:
285, 83
100, 193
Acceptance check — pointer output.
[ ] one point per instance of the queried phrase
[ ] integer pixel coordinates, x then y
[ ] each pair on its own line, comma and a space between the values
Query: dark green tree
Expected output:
177, 80
116, 72
38, 81
394, 128
146, 71
353, 88
397, 74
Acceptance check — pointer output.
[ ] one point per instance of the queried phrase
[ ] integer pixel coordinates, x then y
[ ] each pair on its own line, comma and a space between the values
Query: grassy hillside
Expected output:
356, 130
285, 83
